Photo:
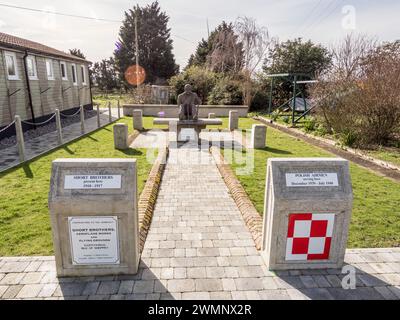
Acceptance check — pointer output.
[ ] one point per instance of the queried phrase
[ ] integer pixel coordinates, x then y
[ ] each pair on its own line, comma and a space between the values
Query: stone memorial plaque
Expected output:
93, 206
94, 240
312, 179
307, 212
92, 182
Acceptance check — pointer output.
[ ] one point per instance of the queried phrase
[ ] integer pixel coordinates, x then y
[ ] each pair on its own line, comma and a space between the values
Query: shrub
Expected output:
286, 119
363, 104
260, 101
348, 138
309, 124
226, 92
274, 115
202, 80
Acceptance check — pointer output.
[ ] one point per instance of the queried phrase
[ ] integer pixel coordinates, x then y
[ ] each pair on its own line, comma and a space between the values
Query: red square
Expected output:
318, 228
300, 245
293, 217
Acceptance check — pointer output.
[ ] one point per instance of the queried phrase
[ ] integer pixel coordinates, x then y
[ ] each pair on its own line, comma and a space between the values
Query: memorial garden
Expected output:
262, 169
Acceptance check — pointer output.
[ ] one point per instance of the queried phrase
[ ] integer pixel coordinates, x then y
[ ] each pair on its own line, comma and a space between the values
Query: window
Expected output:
50, 70
74, 79
11, 62
83, 74
64, 75
31, 66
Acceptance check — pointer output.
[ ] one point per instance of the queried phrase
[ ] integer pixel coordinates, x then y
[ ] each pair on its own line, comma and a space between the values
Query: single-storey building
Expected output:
36, 79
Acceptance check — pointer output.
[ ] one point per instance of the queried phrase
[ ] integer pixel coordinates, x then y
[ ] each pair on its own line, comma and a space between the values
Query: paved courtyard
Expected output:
198, 247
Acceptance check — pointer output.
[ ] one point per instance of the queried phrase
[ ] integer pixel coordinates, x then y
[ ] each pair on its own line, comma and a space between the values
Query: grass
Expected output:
388, 154
24, 217
391, 155
376, 210
104, 99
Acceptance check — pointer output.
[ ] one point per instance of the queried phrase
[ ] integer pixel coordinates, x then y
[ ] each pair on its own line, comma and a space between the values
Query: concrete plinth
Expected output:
137, 119
94, 216
307, 213
121, 136
233, 120
211, 115
258, 136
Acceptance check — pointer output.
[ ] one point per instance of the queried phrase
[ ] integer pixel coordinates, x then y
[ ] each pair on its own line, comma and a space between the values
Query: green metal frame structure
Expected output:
294, 77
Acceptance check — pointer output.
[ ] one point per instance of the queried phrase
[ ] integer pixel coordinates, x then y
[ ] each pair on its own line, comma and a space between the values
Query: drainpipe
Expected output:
90, 85
28, 85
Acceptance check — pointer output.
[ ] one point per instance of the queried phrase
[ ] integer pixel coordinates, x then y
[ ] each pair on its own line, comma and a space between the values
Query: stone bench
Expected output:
177, 125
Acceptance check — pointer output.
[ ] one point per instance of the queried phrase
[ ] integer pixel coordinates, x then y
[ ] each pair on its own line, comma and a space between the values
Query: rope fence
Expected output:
20, 132
39, 123
4, 129
70, 115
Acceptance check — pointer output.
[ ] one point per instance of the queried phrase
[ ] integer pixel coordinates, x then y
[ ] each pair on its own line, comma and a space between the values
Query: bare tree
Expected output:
227, 53
348, 53
256, 43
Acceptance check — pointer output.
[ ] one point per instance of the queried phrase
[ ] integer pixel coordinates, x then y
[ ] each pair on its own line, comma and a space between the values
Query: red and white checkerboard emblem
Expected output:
309, 236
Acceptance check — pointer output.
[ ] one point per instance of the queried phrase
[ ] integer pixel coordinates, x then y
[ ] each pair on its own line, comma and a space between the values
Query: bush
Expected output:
348, 138
226, 92
202, 80
363, 106
309, 124
286, 119
274, 115
260, 101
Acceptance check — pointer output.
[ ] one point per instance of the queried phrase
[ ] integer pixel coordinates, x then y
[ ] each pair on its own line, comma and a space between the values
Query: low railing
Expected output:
57, 115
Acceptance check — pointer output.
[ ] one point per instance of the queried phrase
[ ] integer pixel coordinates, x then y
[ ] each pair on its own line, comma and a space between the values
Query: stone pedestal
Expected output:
94, 216
307, 213
211, 116
138, 120
233, 120
121, 136
258, 136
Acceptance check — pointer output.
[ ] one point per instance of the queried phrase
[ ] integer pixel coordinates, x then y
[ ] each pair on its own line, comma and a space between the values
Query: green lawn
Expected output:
24, 218
376, 212
389, 154
104, 99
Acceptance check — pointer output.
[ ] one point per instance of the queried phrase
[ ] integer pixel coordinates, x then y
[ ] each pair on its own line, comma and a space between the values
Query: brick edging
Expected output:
250, 215
148, 197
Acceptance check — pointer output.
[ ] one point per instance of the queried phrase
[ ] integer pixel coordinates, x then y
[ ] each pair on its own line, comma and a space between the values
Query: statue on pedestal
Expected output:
188, 103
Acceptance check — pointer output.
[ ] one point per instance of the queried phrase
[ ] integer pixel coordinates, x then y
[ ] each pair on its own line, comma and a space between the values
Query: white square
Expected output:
302, 229
316, 246
290, 256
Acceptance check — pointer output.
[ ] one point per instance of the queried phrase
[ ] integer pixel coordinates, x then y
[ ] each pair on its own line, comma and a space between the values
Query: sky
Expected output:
322, 21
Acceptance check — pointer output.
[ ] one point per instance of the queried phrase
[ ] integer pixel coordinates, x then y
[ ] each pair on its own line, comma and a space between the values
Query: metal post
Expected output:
20, 138
82, 120
109, 112
98, 115
59, 127
294, 98
119, 110
270, 96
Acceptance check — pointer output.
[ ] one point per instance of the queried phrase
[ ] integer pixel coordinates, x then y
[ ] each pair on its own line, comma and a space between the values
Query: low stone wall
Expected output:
148, 197
251, 217
171, 111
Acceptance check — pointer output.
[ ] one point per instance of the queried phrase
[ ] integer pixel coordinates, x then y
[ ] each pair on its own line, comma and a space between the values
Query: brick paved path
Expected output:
199, 248
9, 157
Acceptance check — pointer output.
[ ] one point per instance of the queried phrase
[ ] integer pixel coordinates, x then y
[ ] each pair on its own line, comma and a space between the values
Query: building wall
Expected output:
47, 95
5, 111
